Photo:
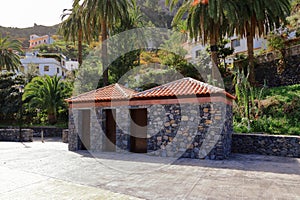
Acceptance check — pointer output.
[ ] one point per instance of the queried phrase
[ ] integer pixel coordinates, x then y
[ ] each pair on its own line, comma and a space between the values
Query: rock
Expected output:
208, 122
184, 118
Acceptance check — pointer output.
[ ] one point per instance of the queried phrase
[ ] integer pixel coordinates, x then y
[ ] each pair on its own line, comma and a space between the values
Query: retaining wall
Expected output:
48, 131
274, 145
13, 135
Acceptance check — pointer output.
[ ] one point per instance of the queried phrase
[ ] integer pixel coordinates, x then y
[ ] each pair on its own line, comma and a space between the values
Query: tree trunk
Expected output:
214, 56
250, 46
80, 47
104, 52
52, 119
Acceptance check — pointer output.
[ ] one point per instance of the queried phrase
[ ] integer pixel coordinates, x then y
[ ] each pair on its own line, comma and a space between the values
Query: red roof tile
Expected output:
108, 93
182, 87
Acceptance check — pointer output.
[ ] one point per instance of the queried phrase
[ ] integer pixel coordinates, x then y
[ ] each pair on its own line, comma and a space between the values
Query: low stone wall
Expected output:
13, 135
274, 145
48, 131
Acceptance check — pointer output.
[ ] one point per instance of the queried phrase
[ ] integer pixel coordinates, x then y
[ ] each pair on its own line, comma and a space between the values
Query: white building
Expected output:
72, 65
44, 66
238, 44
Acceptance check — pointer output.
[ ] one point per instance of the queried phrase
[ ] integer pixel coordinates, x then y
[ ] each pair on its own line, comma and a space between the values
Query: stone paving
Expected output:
49, 171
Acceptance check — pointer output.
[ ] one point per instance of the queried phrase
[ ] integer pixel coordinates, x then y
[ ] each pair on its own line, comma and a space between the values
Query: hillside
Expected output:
156, 12
23, 34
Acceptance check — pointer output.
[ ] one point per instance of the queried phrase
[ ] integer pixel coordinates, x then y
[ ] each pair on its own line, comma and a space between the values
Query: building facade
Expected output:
36, 40
185, 118
43, 66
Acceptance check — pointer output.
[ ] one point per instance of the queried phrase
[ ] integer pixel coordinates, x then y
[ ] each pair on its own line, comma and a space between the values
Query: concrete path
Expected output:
49, 171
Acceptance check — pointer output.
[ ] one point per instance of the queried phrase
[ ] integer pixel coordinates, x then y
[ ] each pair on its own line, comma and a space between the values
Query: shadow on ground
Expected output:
245, 162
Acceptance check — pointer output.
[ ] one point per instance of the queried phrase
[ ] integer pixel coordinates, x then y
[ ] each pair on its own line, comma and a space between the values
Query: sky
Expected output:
24, 13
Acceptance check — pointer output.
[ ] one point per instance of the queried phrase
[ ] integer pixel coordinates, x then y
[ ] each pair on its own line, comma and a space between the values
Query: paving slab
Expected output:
49, 171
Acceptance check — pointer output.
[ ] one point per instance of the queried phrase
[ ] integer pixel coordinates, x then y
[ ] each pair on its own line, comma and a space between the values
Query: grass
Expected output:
279, 112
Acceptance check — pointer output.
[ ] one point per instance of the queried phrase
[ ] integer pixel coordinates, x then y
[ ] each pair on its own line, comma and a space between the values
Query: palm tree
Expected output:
73, 27
207, 20
9, 60
102, 15
257, 18
45, 93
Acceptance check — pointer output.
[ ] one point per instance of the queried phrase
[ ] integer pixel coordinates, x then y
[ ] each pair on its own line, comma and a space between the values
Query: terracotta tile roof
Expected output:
108, 93
182, 87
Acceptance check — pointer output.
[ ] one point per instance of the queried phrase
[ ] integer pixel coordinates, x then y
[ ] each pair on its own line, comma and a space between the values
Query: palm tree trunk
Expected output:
214, 56
52, 118
250, 46
80, 47
104, 51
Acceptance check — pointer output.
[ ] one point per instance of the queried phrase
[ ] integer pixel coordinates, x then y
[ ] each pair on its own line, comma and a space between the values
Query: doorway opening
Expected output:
138, 131
85, 129
110, 132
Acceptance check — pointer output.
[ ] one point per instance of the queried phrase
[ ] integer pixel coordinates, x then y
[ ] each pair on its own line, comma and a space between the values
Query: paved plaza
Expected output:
49, 171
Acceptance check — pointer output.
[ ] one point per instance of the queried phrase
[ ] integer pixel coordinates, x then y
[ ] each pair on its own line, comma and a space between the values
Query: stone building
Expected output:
184, 118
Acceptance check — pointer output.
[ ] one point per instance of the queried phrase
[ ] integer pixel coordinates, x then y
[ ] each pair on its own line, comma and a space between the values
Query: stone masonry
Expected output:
13, 135
186, 130
274, 145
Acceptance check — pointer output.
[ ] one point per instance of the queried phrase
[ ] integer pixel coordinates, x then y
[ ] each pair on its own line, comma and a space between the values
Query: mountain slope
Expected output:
23, 34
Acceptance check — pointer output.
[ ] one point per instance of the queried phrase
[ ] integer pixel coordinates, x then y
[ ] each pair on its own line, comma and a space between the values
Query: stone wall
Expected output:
267, 70
13, 135
47, 131
187, 130
288, 146
190, 130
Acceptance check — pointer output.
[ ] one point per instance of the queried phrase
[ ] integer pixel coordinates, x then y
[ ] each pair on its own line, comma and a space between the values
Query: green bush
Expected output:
278, 112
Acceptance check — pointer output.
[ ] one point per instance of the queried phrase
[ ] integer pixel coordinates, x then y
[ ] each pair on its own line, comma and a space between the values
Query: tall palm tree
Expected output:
257, 18
207, 21
102, 16
73, 27
45, 93
9, 60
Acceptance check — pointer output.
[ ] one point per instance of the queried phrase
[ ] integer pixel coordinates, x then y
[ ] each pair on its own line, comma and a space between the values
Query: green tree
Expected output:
173, 55
294, 18
9, 59
224, 51
131, 59
69, 49
46, 93
256, 18
9, 96
207, 21
73, 27
102, 16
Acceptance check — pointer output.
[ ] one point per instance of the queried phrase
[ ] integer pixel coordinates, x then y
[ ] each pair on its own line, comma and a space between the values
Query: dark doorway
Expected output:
110, 133
85, 129
138, 131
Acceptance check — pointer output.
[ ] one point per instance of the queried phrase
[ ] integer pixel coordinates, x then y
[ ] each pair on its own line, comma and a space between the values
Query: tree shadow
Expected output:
243, 162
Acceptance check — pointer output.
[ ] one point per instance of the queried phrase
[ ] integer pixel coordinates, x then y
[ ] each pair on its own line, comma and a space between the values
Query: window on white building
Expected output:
58, 70
46, 68
198, 53
235, 43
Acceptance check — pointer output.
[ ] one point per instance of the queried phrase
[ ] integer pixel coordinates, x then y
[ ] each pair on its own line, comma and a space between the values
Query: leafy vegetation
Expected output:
10, 99
47, 94
9, 59
277, 111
